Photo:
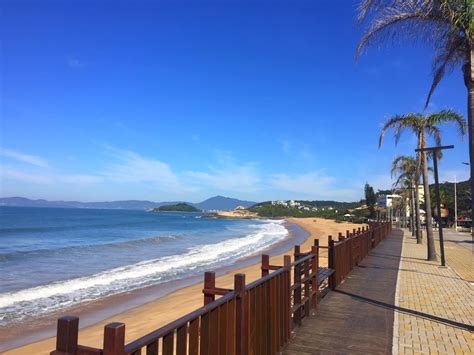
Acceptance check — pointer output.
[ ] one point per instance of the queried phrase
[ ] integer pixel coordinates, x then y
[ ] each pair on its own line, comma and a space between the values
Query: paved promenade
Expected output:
436, 304
395, 302
458, 249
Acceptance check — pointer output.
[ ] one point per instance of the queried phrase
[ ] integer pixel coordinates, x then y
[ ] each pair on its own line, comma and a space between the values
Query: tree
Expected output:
424, 126
408, 176
370, 199
445, 25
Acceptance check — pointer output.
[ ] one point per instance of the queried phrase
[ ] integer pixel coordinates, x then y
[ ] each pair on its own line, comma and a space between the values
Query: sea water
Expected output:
55, 258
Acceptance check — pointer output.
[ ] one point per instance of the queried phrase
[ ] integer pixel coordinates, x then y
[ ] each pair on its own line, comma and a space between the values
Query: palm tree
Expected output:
445, 25
408, 177
424, 126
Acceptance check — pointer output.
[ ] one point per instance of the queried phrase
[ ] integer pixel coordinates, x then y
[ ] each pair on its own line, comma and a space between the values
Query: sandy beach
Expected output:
146, 318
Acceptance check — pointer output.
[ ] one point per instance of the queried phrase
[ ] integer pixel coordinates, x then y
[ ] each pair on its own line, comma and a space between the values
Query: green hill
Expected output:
325, 209
179, 207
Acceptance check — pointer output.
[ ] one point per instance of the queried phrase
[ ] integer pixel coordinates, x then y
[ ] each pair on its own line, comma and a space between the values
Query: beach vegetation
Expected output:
179, 207
370, 199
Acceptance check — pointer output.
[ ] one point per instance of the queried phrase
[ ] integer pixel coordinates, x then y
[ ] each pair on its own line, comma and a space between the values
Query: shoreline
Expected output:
138, 309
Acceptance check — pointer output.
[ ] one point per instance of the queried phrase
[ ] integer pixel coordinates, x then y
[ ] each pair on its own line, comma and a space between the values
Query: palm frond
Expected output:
448, 116
446, 59
405, 19
399, 123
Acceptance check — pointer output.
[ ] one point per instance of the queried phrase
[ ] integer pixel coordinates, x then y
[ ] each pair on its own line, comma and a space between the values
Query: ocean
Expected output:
55, 258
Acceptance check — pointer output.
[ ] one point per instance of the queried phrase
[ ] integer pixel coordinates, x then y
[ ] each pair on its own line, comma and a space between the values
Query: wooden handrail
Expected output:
159, 333
264, 279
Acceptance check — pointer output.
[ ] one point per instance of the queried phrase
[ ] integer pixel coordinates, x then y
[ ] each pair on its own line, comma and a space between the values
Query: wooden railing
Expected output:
257, 318
346, 253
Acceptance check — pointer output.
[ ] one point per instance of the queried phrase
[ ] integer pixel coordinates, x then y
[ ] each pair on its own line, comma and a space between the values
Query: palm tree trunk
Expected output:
429, 224
412, 211
468, 70
417, 223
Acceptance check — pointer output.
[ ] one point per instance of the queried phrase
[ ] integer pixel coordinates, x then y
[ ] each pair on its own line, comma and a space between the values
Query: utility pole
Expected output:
435, 151
455, 205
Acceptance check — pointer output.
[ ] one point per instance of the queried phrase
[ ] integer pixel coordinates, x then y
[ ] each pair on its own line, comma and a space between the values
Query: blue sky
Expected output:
182, 100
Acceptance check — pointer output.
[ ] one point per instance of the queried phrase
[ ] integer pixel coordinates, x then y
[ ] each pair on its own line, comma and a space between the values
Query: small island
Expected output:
179, 207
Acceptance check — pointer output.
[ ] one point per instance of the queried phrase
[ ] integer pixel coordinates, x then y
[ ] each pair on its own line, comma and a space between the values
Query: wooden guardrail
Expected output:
255, 318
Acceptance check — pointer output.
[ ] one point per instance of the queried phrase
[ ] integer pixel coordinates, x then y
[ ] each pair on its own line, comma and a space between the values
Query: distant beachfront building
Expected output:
386, 201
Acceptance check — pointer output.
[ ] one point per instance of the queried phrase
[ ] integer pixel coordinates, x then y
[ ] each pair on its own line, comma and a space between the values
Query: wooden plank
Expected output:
259, 319
272, 325
205, 334
194, 337
181, 340
168, 344
152, 349
223, 328
252, 296
214, 331
231, 328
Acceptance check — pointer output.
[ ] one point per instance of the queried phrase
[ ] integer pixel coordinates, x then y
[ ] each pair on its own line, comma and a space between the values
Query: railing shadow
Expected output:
419, 314
408, 270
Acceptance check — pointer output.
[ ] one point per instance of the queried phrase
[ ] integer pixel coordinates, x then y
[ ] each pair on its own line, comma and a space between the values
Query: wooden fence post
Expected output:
348, 234
114, 339
298, 288
307, 288
340, 237
331, 263
209, 284
314, 279
241, 335
265, 265
66, 336
297, 252
287, 266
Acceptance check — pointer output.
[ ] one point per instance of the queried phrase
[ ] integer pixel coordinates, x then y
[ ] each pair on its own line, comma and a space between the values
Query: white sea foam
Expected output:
28, 302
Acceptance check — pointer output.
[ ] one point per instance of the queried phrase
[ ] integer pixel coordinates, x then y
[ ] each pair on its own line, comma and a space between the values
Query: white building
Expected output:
386, 201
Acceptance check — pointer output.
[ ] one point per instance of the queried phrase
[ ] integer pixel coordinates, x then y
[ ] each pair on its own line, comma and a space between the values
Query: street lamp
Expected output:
435, 150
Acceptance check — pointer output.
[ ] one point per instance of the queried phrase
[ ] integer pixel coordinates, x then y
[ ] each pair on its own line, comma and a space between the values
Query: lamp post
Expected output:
435, 151
455, 205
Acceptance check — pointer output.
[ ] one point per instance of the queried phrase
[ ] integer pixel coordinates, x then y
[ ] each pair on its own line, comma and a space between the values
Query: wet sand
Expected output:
145, 318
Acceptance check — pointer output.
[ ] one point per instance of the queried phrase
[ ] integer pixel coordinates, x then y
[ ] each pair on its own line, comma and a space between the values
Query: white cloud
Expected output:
313, 185
131, 167
25, 158
235, 179
11, 173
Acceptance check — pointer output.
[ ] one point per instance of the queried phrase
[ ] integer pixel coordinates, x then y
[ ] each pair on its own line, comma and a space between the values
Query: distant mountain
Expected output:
214, 203
126, 205
222, 203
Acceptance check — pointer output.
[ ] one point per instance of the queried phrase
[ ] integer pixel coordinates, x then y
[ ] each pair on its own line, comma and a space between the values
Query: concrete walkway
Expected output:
436, 313
458, 250
394, 302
